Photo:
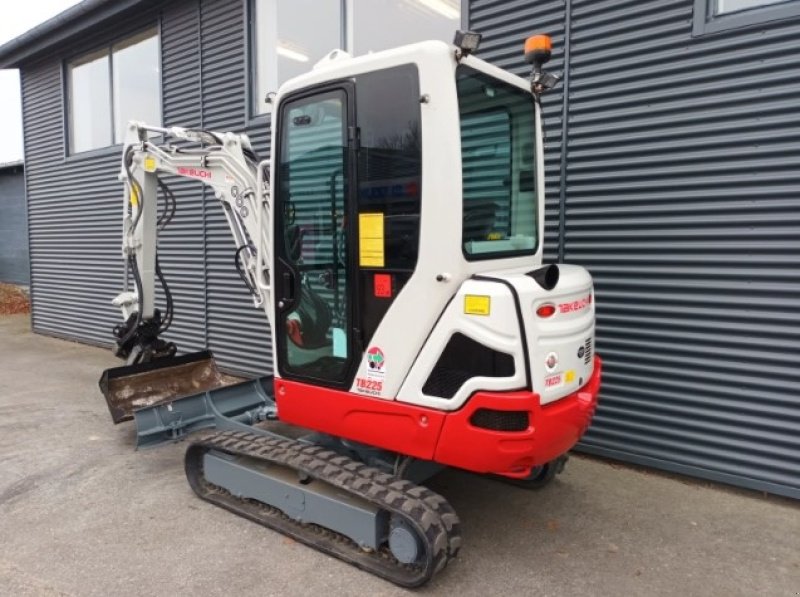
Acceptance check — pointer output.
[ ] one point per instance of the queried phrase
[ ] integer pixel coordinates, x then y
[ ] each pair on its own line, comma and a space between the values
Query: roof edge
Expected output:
10, 165
60, 28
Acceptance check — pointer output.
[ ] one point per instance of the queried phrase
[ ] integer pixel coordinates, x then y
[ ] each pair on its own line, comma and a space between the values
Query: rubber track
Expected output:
434, 520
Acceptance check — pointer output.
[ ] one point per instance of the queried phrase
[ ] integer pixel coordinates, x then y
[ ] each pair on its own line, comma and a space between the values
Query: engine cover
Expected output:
498, 319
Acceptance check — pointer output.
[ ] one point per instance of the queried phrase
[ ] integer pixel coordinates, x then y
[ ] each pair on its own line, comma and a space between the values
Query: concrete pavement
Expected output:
81, 513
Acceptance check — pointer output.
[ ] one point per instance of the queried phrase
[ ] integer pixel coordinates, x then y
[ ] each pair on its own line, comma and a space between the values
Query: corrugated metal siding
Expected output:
237, 332
682, 200
683, 174
73, 217
75, 202
505, 24
14, 264
181, 245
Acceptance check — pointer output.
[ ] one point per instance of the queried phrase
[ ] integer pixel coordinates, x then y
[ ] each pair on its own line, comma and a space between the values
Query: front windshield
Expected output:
497, 154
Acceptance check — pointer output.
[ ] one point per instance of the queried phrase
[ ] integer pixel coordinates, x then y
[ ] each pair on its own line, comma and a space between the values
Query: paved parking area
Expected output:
81, 513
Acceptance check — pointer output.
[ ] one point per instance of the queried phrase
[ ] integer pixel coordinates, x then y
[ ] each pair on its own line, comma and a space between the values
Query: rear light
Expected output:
546, 310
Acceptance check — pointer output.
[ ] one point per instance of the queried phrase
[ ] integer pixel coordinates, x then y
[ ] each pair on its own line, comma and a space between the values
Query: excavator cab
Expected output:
396, 178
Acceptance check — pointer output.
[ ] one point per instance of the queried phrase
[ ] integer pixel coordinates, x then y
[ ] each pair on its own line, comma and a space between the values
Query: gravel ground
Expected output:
13, 300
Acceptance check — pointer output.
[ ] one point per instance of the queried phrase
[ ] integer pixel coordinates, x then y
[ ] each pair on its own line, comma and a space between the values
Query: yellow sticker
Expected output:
569, 376
370, 240
150, 163
475, 304
134, 197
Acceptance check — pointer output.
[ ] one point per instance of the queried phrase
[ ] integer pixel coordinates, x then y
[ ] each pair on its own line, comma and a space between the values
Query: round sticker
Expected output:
375, 358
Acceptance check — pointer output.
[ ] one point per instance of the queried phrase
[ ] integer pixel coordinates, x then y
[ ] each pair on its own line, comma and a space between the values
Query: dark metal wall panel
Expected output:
682, 199
75, 202
181, 245
682, 184
238, 333
14, 262
505, 24
73, 218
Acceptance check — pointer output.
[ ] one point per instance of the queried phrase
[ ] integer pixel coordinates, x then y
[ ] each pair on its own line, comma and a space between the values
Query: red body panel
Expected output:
386, 424
554, 429
447, 437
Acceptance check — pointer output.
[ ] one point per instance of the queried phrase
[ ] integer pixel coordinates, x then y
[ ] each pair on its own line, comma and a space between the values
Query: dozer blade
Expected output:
134, 387
234, 408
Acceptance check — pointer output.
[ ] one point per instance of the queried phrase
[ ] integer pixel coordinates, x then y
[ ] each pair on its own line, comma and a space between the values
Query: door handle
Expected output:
288, 286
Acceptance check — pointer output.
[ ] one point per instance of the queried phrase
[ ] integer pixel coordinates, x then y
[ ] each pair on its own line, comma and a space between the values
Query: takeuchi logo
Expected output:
575, 305
194, 172
375, 358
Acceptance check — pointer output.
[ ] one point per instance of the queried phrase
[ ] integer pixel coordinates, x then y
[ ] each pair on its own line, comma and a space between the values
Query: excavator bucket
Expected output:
134, 387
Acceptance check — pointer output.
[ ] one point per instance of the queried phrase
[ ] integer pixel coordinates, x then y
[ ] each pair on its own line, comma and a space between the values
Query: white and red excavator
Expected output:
394, 242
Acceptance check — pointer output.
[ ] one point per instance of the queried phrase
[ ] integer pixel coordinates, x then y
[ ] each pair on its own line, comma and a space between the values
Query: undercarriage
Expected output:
353, 501
393, 528
316, 489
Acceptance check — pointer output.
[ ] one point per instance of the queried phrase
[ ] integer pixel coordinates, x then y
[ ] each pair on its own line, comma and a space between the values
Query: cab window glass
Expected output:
499, 192
390, 158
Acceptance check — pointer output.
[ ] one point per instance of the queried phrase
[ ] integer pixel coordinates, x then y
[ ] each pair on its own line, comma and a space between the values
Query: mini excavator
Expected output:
394, 242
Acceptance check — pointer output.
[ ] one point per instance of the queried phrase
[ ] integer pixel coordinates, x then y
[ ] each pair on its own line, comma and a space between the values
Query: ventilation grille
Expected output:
587, 353
463, 358
500, 420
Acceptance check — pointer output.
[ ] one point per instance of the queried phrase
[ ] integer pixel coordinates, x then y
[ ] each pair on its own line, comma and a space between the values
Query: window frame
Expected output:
105, 51
706, 22
251, 73
108, 50
512, 253
348, 89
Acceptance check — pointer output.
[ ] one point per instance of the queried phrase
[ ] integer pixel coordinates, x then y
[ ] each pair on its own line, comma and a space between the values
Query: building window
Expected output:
728, 6
713, 16
109, 87
289, 36
375, 25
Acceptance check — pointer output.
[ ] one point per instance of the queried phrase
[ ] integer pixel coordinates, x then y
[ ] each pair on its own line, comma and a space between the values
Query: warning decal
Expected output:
370, 240
475, 304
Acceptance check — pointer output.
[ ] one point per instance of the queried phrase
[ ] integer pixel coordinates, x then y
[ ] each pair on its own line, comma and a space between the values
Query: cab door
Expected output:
313, 266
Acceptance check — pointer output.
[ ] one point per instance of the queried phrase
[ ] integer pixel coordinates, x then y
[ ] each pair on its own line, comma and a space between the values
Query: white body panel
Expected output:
403, 331
568, 333
498, 330
563, 334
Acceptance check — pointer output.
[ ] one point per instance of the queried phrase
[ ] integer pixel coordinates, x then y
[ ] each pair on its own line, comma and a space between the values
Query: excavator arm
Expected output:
225, 162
